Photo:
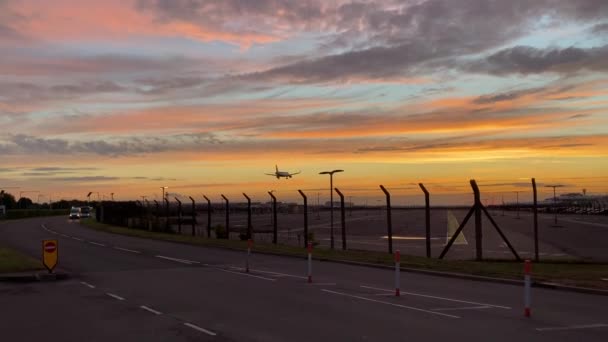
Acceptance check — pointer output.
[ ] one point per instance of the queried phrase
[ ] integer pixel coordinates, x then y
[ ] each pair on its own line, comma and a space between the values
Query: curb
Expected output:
544, 285
34, 277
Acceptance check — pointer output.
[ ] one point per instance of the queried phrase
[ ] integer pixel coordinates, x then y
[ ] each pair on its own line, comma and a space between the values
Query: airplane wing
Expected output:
270, 174
295, 173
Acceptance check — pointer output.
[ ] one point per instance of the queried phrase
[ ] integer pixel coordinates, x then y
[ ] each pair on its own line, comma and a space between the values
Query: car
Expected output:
85, 212
74, 213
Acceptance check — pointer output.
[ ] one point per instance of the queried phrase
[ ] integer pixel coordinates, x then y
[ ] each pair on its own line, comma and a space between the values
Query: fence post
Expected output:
527, 286
305, 217
343, 219
179, 215
389, 222
167, 226
274, 215
157, 209
193, 216
535, 212
249, 225
478, 228
208, 216
227, 217
427, 204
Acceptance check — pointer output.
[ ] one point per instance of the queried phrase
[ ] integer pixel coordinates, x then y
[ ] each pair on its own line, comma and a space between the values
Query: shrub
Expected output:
220, 231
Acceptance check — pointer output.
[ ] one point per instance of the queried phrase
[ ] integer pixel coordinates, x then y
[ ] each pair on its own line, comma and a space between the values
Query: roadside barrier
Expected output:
397, 273
527, 287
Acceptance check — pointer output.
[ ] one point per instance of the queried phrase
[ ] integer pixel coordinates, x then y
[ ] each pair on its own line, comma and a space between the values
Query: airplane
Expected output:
280, 174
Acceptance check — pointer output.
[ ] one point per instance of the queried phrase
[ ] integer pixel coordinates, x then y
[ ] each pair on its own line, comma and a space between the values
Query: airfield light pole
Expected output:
112, 195
554, 198
164, 188
517, 201
331, 201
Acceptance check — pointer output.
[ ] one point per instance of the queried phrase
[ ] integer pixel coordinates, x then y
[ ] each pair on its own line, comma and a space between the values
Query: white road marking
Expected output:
65, 236
462, 308
126, 250
203, 330
605, 279
183, 261
389, 303
151, 310
246, 274
436, 297
573, 327
87, 284
97, 244
323, 284
77, 239
114, 296
270, 272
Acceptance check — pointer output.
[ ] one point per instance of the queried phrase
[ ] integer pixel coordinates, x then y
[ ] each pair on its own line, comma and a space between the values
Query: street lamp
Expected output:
554, 197
23, 192
164, 187
112, 195
331, 200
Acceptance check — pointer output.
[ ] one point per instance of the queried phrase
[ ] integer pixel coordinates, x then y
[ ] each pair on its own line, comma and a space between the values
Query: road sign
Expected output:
49, 254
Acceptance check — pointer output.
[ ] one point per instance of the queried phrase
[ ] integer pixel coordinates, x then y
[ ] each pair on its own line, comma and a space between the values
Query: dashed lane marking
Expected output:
389, 303
114, 296
203, 330
183, 261
150, 310
245, 274
87, 284
574, 327
127, 250
78, 239
463, 308
437, 297
97, 244
270, 272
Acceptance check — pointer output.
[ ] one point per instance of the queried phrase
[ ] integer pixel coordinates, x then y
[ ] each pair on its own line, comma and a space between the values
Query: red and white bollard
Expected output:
249, 244
397, 276
310, 262
527, 286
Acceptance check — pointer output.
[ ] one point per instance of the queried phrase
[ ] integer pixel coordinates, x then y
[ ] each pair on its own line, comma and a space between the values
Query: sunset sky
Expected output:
204, 97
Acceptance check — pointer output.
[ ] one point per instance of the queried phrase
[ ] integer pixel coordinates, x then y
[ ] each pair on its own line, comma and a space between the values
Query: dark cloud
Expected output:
62, 169
32, 92
600, 28
85, 179
430, 35
26, 144
507, 96
531, 60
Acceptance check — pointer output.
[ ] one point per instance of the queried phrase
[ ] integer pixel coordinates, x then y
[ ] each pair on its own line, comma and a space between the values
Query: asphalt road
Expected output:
127, 289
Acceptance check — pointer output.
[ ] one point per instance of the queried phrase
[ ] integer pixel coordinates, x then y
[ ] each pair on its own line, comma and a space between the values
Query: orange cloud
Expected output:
113, 19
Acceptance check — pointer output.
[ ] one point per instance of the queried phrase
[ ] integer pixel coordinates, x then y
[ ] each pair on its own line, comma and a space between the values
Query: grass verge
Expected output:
12, 261
563, 272
16, 214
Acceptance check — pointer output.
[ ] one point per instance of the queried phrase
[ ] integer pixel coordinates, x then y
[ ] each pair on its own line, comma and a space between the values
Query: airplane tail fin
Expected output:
276, 167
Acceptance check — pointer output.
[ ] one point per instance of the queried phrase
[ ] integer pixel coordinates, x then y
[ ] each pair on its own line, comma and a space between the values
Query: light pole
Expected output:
554, 198
271, 210
112, 195
331, 201
23, 192
517, 208
163, 188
